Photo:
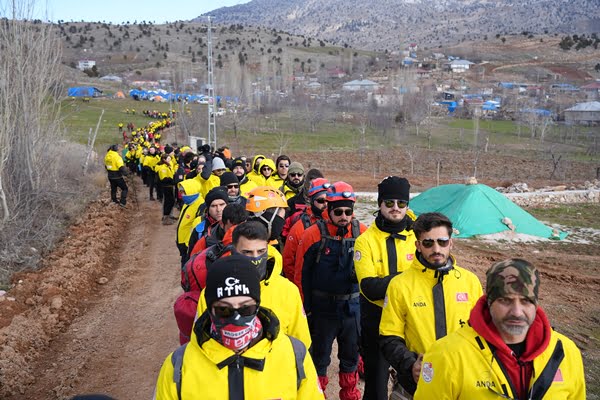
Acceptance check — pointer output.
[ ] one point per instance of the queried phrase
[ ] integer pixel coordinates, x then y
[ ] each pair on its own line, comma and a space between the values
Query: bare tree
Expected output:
30, 83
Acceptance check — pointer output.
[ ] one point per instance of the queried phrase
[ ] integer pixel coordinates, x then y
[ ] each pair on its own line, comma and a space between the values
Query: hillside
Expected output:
178, 51
393, 24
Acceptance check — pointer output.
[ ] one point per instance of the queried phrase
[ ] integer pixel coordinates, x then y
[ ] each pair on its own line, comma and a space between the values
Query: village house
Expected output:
85, 64
583, 113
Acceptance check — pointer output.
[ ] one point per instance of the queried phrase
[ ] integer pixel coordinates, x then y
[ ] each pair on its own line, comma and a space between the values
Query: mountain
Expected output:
390, 24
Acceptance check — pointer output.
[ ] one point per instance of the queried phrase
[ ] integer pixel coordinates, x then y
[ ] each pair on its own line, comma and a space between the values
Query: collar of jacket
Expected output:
420, 264
536, 341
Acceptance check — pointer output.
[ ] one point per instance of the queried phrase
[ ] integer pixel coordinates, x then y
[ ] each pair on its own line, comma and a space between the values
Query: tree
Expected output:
30, 83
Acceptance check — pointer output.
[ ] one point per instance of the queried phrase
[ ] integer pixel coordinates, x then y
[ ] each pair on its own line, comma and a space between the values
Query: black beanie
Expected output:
215, 193
238, 162
393, 188
231, 276
228, 178
168, 149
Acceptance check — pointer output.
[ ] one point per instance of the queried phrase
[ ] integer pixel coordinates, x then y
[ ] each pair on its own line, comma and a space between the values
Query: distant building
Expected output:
314, 86
459, 65
583, 113
360, 85
86, 64
592, 90
336, 72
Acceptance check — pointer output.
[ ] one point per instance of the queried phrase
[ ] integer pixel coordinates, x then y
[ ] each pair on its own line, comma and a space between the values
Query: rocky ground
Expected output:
98, 317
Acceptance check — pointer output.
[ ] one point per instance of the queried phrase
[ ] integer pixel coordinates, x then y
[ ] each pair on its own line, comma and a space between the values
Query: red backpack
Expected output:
185, 308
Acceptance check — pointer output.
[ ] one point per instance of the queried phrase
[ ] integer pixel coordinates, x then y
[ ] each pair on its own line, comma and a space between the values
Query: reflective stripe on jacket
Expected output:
372, 264
408, 310
461, 366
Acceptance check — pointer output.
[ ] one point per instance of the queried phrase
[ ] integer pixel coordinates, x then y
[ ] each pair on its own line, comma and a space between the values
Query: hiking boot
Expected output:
152, 198
167, 221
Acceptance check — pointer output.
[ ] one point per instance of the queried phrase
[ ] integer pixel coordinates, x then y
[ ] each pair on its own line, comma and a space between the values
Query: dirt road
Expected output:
62, 333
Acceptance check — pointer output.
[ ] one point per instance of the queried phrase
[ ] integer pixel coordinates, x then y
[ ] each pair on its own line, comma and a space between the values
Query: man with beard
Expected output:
424, 303
231, 182
238, 167
385, 250
293, 183
508, 350
326, 257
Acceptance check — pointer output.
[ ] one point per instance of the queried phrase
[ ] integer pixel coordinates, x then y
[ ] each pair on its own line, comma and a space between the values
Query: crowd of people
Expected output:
275, 267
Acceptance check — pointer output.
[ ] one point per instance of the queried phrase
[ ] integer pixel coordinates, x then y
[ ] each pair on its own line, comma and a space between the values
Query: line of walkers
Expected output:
275, 266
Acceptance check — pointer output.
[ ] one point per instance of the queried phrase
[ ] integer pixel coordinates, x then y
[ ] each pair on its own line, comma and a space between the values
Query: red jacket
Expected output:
293, 240
519, 370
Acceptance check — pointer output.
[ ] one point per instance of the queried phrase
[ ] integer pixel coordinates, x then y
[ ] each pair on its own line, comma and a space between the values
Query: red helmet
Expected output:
318, 185
340, 191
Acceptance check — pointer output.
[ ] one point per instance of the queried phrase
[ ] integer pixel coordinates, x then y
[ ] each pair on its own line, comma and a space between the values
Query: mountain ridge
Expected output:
392, 24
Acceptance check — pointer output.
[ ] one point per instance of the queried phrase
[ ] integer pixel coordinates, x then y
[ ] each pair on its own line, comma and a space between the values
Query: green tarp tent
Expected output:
479, 210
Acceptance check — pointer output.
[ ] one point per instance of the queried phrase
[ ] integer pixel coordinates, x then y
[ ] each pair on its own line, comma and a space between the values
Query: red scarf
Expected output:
519, 369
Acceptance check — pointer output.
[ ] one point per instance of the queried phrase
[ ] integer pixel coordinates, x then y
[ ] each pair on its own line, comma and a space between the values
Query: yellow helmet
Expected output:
264, 197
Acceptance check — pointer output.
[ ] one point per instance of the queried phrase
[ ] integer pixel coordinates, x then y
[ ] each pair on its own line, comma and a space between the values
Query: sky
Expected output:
118, 11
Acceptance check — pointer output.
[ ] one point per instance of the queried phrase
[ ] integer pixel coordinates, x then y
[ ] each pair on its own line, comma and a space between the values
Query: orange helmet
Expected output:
264, 197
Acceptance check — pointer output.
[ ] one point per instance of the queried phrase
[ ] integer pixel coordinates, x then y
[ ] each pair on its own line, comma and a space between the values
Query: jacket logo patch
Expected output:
427, 372
462, 297
357, 256
410, 257
558, 376
488, 384
327, 251
419, 304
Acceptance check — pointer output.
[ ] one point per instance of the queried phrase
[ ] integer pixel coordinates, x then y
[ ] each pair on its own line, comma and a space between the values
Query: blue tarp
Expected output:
84, 91
538, 111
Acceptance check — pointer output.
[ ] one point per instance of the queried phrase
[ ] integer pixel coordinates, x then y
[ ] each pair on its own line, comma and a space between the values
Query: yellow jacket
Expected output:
371, 261
246, 187
458, 368
254, 175
259, 178
408, 311
165, 173
207, 184
203, 378
151, 161
282, 297
113, 161
188, 211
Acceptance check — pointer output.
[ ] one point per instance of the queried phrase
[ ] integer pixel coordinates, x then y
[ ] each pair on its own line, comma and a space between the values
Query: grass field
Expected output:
290, 130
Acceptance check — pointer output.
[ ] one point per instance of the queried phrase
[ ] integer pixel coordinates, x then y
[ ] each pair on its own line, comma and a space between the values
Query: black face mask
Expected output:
274, 223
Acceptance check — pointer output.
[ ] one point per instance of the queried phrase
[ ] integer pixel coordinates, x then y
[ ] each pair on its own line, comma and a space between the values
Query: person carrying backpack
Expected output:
331, 294
238, 351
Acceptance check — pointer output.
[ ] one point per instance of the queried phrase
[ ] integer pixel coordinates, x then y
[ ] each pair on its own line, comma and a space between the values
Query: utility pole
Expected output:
212, 107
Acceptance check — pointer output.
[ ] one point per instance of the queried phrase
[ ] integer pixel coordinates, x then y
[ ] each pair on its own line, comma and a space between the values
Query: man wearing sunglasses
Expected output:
317, 194
326, 257
294, 181
386, 249
508, 350
250, 239
232, 184
282, 163
239, 170
237, 350
425, 303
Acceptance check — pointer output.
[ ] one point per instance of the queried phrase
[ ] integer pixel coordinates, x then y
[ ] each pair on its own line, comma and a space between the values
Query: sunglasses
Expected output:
233, 186
228, 312
338, 212
296, 174
266, 169
428, 243
322, 201
284, 165
399, 203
